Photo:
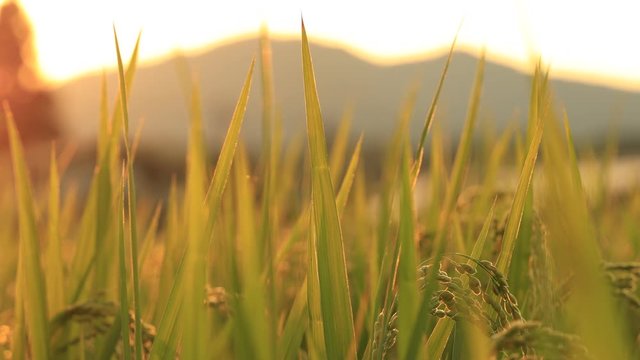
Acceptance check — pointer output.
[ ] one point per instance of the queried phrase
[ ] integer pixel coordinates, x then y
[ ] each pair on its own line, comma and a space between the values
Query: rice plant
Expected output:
240, 260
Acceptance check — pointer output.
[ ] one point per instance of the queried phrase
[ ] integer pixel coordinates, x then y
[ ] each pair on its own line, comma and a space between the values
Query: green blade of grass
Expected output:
199, 232
332, 274
131, 205
253, 314
167, 337
103, 129
149, 237
196, 329
453, 191
225, 159
520, 197
386, 244
407, 262
173, 249
270, 152
316, 336
347, 181
432, 108
122, 277
295, 327
97, 222
590, 307
32, 282
117, 122
298, 321
339, 146
54, 264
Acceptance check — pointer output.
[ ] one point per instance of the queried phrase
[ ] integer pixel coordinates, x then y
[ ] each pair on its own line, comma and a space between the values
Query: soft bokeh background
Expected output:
368, 55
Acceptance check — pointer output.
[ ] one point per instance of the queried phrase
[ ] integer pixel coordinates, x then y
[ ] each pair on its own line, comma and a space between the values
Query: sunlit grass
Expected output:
302, 255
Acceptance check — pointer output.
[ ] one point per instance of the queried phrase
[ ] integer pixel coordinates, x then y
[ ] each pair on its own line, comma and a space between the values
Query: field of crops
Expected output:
301, 255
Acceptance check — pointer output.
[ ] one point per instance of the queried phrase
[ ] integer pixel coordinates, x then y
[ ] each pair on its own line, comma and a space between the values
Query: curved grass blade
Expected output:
131, 206
295, 327
407, 260
298, 319
54, 264
432, 108
347, 181
451, 196
339, 146
31, 278
253, 315
520, 198
194, 326
270, 152
122, 276
332, 274
590, 307
199, 233
225, 159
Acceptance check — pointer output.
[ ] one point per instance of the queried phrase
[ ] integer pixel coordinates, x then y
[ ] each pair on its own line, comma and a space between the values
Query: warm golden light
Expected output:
591, 39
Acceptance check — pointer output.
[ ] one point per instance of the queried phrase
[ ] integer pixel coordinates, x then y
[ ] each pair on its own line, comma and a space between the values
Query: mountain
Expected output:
375, 92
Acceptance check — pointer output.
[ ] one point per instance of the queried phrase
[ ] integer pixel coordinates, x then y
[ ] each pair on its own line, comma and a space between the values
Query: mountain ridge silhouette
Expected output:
374, 92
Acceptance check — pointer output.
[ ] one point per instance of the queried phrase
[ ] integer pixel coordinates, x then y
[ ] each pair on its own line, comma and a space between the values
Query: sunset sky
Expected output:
593, 40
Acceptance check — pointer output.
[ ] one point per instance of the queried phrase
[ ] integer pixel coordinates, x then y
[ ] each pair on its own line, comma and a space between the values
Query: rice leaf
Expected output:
131, 206
149, 237
196, 329
334, 294
270, 152
590, 307
295, 327
407, 261
122, 277
32, 285
54, 264
225, 159
520, 197
432, 108
338, 151
453, 190
347, 181
253, 314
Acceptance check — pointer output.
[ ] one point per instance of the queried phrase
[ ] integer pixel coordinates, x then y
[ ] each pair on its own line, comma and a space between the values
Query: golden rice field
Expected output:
299, 255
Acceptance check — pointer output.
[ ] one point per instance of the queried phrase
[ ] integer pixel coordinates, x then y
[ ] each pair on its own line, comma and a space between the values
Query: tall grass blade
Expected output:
332, 276
590, 306
225, 159
54, 264
32, 285
253, 314
131, 205
339, 147
347, 181
298, 319
434, 102
407, 261
295, 327
270, 153
199, 232
520, 197
453, 191
194, 325
122, 277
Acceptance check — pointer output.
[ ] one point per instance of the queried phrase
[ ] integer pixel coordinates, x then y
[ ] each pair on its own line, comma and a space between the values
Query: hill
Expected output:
375, 92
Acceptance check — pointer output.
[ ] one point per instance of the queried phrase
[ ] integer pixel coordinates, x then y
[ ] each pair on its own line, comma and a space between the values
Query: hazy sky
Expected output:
593, 39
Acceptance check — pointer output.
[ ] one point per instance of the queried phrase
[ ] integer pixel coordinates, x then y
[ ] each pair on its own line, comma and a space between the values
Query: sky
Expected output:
590, 40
